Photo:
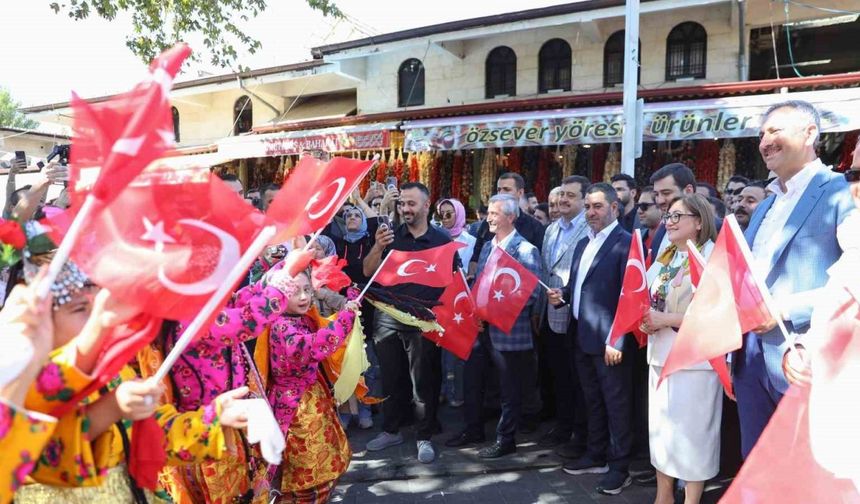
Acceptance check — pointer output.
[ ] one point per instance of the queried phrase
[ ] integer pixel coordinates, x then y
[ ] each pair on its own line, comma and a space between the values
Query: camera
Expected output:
61, 150
384, 220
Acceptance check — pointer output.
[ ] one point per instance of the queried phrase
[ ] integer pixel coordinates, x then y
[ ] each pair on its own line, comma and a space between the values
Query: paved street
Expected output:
458, 476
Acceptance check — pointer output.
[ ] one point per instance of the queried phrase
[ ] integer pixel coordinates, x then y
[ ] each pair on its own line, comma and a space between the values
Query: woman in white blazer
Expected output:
684, 413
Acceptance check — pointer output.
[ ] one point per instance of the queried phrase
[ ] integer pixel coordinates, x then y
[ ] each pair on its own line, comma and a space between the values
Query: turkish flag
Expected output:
697, 268
167, 243
314, 193
635, 300
727, 304
456, 314
808, 449
431, 267
502, 290
118, 138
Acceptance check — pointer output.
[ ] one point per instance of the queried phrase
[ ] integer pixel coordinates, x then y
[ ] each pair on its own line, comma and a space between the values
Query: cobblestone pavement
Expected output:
532, 475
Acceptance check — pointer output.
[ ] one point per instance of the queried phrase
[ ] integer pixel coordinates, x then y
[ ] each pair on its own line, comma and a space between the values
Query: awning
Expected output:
327, 106
342, 139
730, 117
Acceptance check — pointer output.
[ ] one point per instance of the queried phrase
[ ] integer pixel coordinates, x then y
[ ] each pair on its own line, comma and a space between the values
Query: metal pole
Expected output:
631, 83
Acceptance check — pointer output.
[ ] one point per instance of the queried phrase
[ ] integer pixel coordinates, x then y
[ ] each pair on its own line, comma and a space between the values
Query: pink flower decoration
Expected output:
49, 382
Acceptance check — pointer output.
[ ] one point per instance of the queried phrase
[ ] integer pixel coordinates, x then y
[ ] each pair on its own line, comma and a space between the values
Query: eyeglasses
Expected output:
675, 217
852, 176
644, 206
447, 215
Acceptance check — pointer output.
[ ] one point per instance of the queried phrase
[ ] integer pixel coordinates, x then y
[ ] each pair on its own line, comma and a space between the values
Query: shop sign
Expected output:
691, 120
295, 142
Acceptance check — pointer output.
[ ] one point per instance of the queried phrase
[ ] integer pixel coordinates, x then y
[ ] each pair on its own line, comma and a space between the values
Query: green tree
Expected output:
10, 114
157, 24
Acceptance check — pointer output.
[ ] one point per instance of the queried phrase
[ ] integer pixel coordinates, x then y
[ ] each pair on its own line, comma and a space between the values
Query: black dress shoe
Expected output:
463, 439
497, 450
646, 480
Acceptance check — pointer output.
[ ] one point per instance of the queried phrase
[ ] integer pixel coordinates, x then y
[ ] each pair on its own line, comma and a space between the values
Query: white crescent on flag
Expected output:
341, 184
512, 273
227, 258
641, 267
401, 271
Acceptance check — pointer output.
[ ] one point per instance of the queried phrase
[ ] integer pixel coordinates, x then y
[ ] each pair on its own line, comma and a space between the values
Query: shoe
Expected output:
642, 470
455, 403
646, 480
365, 422
384, 440
584, 465
613, 483
497, 450
463, 439
570, 450
426, 453
554, 437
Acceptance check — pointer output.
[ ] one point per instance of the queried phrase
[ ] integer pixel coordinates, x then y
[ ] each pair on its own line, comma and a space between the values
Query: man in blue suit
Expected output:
793, 239
605, 372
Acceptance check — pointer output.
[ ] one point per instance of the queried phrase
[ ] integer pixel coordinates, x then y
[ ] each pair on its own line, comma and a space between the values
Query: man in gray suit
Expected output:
559, 242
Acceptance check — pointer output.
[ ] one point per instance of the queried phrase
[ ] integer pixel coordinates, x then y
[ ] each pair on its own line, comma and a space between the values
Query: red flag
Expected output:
635, 300
126, 133
727, 304
314, 192
147, 457
166, 247
431, 267
502, 290
807, 450
457, 315
697, 267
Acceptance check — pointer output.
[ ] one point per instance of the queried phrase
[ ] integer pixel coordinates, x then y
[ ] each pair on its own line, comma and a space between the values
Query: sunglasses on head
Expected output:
852, 176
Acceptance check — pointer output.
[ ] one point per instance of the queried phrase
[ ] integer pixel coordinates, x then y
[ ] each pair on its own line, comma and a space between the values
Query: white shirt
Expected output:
766, 242
505, 241
595, 241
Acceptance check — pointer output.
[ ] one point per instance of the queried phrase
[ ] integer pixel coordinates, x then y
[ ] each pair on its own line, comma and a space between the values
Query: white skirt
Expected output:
684, 417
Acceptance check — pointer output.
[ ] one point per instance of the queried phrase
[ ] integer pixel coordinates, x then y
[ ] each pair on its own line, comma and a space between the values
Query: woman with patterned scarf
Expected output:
684, 413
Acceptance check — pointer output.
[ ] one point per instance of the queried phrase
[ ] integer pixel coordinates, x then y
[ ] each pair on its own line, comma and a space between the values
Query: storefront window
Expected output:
501, 72
410, 83
554, 65
243, 115
685, 51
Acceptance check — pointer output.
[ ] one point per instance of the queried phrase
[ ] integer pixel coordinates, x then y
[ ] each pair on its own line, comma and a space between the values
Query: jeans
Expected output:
452, 376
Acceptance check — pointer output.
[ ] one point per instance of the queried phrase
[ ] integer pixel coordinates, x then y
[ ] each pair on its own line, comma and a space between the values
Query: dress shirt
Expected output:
505, 240
595, 241
565, 230
764, 246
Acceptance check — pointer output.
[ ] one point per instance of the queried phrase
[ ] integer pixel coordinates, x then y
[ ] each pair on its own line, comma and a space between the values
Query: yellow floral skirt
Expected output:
115, 490
317, 451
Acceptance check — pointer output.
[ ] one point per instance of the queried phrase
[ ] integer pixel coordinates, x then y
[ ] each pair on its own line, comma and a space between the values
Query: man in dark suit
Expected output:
605, 372
628, 192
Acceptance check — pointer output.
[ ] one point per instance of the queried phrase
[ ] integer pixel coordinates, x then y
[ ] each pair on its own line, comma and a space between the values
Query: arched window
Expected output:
243, 115
613, 60
501, 72
554, 66
686, 47
175, 113
410, 83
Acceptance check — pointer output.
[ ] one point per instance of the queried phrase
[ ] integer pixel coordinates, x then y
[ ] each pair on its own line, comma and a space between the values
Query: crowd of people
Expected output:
555, 364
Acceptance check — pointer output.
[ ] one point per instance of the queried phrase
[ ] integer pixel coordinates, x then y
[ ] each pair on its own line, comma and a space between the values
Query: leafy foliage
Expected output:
10, 115
158, 24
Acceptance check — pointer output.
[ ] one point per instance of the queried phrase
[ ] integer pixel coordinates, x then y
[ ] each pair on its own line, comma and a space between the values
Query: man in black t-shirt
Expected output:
400, 346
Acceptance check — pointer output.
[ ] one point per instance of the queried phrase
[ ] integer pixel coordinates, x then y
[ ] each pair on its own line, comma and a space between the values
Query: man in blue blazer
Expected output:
792, 234
605, 372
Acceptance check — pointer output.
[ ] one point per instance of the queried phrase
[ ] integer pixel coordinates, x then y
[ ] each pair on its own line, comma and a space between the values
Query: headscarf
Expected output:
354, 236
459, 216
327, 245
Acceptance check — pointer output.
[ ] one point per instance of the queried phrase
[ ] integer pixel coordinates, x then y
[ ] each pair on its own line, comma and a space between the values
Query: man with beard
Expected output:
401, 347
625, 186
733, 189
650, 218
670, 182
793, 237
751, 196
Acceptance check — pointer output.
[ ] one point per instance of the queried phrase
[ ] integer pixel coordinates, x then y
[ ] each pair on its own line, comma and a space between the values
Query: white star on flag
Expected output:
497, 295
458, 318
155, 233
431, 268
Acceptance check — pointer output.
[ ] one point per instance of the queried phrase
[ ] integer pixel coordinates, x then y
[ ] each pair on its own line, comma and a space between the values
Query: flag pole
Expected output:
65, 249
767, 297
223, 290
367, 286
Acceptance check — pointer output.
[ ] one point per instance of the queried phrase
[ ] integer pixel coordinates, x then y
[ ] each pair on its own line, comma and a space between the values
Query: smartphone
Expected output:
391, 182
384, 220
21, 157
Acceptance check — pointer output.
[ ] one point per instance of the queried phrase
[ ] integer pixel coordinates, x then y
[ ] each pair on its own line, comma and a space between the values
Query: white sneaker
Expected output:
426, 453
384, 440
